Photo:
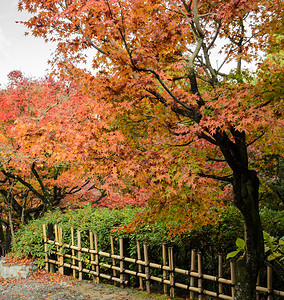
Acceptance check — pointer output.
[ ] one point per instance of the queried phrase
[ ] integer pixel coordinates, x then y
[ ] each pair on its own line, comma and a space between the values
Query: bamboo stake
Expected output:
269, 283
121, 263
97, 259
45, 247
139, 266
220, 274
92, 256
73, 251
172, 275
199, 270
164, 256
113, 260
79, 255
56, 240
192, 269
233, 279
257, 284
147, 269
61, 258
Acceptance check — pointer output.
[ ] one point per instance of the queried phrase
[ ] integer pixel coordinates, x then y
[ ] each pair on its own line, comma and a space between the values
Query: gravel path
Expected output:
43, 286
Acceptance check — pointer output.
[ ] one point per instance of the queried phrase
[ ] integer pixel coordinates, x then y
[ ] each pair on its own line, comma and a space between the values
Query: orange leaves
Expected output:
148, 116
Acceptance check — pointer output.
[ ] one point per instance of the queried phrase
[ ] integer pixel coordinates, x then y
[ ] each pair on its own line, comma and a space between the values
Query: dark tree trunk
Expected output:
246, 198
246, 187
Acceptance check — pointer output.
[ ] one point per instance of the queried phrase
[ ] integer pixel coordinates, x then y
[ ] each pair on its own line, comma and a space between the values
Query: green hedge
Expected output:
210, 239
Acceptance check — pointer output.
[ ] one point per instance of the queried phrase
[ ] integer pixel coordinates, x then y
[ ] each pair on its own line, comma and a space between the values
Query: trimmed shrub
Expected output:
210, 240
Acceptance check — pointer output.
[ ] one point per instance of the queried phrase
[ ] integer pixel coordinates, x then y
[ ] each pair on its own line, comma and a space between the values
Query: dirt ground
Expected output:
48, 286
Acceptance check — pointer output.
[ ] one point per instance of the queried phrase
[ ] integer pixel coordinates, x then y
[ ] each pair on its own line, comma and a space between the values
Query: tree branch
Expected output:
227, 178
45, 193
21, 180
254, 140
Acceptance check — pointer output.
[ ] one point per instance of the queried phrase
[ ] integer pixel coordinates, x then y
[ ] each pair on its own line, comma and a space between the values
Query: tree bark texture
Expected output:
246, 187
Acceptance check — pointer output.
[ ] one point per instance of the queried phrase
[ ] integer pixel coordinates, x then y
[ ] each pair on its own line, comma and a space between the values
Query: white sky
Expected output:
25, 53
18, 52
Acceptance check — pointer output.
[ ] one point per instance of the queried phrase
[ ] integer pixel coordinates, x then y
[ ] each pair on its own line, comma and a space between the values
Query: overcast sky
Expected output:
26, 53
19, 52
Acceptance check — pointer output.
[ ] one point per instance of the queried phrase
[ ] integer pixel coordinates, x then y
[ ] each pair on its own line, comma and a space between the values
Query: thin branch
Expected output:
21, 180
158, 96
39, 181
214, 159
203, 135
47, 110
227, 178
265, 103
164, 86
167, 144
257, 138
178, 134
80, 30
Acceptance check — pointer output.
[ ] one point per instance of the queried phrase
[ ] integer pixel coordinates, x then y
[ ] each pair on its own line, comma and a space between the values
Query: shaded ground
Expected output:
47, 286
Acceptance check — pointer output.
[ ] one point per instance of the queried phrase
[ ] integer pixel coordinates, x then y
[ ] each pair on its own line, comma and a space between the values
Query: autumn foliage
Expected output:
54, 144
170, 116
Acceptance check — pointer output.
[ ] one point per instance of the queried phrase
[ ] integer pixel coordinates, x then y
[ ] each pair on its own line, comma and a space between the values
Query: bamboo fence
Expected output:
120, 267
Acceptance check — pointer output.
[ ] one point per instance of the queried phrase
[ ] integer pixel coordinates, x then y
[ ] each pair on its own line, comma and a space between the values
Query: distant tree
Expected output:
31, 170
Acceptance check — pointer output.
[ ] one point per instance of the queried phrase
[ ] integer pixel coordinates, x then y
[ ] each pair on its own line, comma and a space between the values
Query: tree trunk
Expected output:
246, 198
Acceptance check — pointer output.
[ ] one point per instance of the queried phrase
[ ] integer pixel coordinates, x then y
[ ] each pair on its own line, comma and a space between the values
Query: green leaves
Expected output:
241, 249
274, 247
241, 244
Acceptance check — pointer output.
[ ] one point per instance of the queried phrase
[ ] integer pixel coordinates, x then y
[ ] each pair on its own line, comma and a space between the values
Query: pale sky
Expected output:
26, 53
18, 52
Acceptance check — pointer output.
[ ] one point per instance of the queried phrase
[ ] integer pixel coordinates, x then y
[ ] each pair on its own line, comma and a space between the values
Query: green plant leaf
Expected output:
274, 256
241, 243
233, 254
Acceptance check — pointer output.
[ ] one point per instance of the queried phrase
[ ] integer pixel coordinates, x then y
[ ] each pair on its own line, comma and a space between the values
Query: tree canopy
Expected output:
176, 109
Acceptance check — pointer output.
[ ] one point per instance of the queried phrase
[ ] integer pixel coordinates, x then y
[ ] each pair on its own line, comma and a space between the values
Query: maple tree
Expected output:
34, 177
53, 147
160, 72
24, 192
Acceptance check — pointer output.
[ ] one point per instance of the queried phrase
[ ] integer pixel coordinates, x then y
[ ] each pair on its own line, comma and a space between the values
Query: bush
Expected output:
210, 239
29, 238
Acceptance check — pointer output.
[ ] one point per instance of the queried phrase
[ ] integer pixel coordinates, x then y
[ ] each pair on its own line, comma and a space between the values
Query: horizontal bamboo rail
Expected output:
120, 271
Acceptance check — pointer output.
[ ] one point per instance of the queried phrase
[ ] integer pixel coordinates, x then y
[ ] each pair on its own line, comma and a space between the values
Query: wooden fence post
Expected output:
121, 262
199, 270
79, 255
233, 278
56, 240
257, 284
73, 252
51, 237
147, 269
164, 257
92, 256
269, 283
139, 257
192, 269
61, 258
112, 260
45, 246
172, 275
220, 273
97, 258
